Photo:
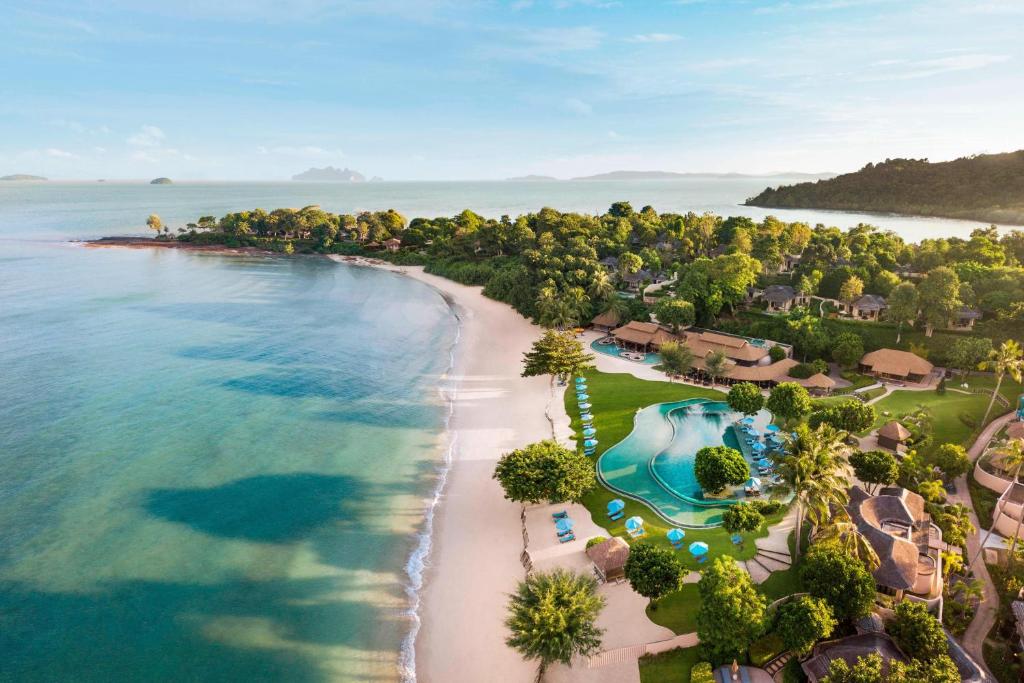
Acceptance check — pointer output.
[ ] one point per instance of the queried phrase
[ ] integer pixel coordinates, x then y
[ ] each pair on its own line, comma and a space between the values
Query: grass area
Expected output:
873, 393
615, 399
677, 611
826, 401
669, 667
859, 382
984, 500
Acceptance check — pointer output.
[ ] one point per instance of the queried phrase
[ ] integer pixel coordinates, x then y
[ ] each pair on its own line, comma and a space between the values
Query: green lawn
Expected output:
677, 611
983, 499
669, 667
615, 399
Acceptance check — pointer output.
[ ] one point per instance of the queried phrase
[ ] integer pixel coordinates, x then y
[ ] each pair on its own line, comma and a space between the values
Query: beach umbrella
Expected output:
676, 535
753, 483
616, 505
584, 406
590, 431
772, 428
582, 397
757, 447
590, 443
581, 380
634, 523
747, 421
587, 417
698, 548
563, 525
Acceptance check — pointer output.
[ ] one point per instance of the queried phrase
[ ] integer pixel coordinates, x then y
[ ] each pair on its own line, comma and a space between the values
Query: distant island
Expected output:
533, 178
160, 181
987, 187
671, 175
22, 176
329, 174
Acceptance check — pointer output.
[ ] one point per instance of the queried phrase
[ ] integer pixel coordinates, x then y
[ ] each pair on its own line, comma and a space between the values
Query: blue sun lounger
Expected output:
617, 516
568, 537
559, 515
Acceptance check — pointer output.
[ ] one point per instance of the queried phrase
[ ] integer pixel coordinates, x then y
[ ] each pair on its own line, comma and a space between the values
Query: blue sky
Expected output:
448, 89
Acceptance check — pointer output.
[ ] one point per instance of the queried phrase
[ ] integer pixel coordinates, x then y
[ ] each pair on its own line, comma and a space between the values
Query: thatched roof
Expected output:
816, 381
895, 431
609, 556
870, 302
736, 348
850, 649
643, 334
779, 294
876, 518
896, 363
609, 318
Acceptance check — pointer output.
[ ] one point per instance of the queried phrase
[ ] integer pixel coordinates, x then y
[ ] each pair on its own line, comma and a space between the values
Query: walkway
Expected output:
974, 638
773, 552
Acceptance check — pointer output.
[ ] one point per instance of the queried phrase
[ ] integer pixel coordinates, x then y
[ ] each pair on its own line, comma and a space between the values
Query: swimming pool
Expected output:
613, 350
654, 463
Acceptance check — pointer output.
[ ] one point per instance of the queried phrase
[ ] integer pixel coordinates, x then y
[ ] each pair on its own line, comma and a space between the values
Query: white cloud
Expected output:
301, 151
907, 70
577, 106
59, 153
654, 38
552, 40
147, 136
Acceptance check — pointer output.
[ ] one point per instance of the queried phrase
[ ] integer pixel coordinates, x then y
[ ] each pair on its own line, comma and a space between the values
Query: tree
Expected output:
811, 469
954, 521
841, 580
941, 669
950, 459
553, 617
803, 621
867, 669
154, 223
716, 364
967, 353
789, 400
653, 571
629, 263
932, 491
843, 533
742, 517
849, 416
675, 313
732, 612
545, 471
601, 286
1006, 360
917, 632
851, 289
557, 354
939, 294
719, 466
745, 398
875, 468
903, 305
847, 349
676, 359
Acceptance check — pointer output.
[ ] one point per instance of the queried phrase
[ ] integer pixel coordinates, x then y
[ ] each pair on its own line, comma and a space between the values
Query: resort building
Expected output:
964, 318
606, 322
896, 365
906, 541
393, 244
609, 558
893, 436
645, 337
610, 263
634, 281
781, 298
850, 649
868, 307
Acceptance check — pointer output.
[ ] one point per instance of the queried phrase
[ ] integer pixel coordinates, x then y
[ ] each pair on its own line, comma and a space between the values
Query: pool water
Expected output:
613, 350
655, 462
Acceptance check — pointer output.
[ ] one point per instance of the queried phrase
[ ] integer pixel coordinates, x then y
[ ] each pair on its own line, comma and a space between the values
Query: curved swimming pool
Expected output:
654, 463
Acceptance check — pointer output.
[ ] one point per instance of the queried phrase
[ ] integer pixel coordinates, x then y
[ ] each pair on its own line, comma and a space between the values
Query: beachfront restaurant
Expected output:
896, 365
643, 337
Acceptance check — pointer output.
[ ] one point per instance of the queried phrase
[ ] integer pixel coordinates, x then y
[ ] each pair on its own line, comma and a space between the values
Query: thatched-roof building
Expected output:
609, 558
850, 649
607, 321
893, 436
896, 364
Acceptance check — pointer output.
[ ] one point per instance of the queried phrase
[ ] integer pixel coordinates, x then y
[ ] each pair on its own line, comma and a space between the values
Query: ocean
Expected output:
215, 468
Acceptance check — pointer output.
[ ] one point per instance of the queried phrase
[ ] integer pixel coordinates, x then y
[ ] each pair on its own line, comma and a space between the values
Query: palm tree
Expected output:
601, 286
1012, 455
1006, 360
845, 533
811, 468
553, 617
716, 364
676, 359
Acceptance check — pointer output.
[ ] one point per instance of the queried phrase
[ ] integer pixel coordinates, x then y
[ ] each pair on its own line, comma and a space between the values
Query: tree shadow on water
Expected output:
278, 508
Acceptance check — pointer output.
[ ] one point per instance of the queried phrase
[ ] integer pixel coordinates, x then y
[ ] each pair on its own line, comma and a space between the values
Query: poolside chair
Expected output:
701, 559
562, 514
567, 532
568, 537
736, 539
617, 516
678, 546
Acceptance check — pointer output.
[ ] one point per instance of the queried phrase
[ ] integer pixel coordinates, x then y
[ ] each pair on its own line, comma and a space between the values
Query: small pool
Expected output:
655, 462
613, 350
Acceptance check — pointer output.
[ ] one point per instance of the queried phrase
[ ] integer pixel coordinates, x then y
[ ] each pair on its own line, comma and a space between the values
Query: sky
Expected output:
485, 89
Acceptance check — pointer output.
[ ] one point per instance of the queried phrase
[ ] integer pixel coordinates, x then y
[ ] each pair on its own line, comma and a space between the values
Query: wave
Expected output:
419, 559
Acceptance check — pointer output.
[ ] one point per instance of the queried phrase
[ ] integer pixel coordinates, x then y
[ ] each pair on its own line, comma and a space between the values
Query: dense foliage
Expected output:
545, 472
745, 398
916, 631
849, 416
742, 517
875, 468
732, 612
987, 187
716, 467
653, 571
789, 400
803, 621
841, 580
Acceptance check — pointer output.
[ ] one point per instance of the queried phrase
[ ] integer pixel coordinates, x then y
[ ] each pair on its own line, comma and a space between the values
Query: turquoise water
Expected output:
210, 468
615, 351
655, 462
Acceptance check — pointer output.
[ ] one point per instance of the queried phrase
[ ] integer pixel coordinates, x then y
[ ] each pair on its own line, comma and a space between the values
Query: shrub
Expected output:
653, 571
789, 401
763, 650
596, 540
702, 673
776, 353
917, 632
745, 398
843, 581
805, 370
742, 517
719, 466
803, 622
766, 507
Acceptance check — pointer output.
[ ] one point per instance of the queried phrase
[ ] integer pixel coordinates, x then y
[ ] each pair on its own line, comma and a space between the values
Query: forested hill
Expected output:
988, 187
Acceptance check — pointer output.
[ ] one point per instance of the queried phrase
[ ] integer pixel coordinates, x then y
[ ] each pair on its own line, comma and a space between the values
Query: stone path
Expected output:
772, 551
974, 638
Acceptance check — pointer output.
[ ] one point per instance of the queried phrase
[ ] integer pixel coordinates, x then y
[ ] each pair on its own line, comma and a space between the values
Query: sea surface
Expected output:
215, 468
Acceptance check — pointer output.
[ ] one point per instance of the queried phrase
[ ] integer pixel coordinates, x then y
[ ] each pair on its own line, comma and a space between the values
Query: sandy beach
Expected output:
474, 563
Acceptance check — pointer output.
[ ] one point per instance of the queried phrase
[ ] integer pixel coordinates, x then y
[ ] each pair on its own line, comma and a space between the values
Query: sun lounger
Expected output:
559, 515
567, 532
617, 516
565, 539
701, 559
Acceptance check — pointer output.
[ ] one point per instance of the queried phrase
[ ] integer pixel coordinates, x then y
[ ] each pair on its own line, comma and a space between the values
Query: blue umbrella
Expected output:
698, 548
587, 417
616, 505
589, 432
764, 462
582, 397
747, 421
564, 524
634, 523
581, 380
676, 535
757, 447
772, 428
590, 443
584, 406
753, 483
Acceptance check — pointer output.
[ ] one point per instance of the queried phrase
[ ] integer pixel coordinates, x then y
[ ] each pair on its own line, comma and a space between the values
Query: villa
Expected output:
610, 263
893, 436
964, 318
607, 321
896, 365
609, 558
906, 541
781, 298
850, 649
641, 336
868, 307
393, 244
